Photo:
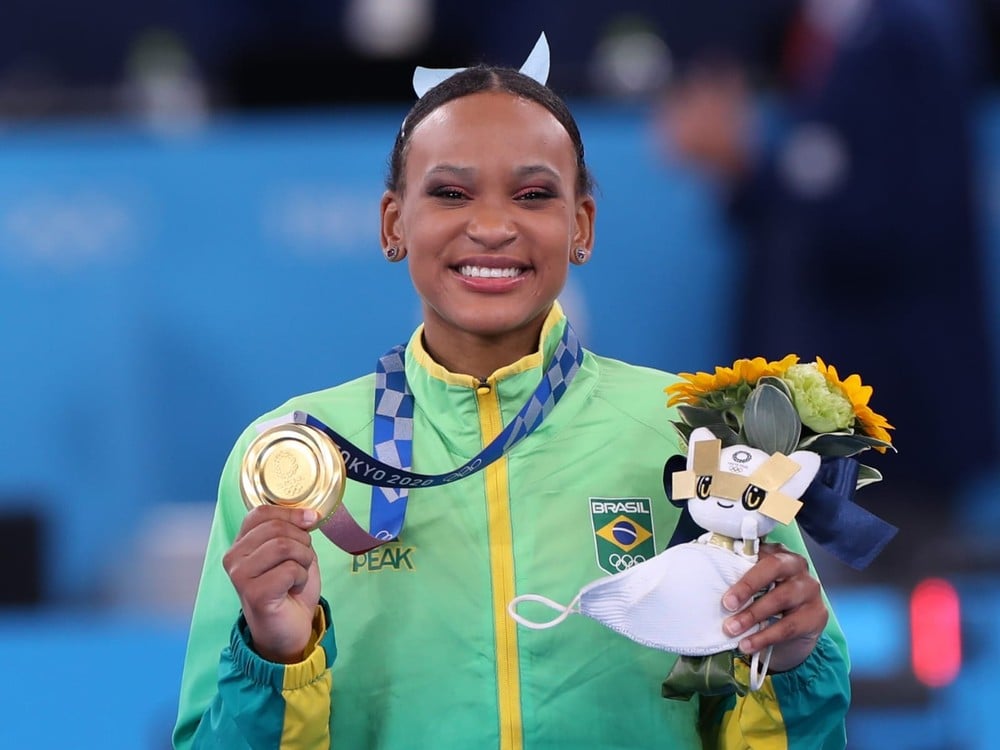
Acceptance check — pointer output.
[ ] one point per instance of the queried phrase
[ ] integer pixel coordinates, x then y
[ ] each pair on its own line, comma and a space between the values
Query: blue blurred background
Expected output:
188, 236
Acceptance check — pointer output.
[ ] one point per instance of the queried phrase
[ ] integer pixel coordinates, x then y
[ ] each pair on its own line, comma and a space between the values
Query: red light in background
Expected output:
935, 632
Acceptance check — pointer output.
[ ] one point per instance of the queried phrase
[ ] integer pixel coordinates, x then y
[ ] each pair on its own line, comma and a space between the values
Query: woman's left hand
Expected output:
796, 597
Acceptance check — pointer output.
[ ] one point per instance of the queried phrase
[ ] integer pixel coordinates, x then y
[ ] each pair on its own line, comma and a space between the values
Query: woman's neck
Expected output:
477, 355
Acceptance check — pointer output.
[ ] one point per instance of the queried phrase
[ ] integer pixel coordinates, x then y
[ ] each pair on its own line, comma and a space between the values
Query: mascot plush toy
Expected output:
737, 495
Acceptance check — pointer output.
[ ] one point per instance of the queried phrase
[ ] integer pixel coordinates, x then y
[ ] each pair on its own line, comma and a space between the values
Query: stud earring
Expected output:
394, 254
580, 256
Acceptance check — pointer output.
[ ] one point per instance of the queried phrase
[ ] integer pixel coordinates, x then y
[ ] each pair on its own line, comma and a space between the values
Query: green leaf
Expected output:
726, 435
770, 421
717, 400
699, 416
840, 443
684, 430
874, 442
811, 437
733, 418
836, 444
778, 383
867, 475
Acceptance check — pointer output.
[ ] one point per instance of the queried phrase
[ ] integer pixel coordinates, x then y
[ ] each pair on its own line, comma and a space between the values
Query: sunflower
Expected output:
872, 424
696, 386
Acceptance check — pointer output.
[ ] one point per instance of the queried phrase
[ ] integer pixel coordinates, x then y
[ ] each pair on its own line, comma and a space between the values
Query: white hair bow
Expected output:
535, 66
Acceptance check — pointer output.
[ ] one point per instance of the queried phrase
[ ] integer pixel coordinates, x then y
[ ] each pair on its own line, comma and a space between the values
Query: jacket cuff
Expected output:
318, 657
812, 668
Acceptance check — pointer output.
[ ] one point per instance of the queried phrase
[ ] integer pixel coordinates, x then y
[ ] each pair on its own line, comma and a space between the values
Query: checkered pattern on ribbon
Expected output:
393, 439
565, 362
393, 428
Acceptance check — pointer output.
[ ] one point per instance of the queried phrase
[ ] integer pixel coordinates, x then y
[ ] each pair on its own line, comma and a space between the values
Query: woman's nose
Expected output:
491, 225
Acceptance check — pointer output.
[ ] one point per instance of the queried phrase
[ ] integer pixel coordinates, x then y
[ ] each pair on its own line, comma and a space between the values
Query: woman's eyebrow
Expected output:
451, 169
534, 169
527, 170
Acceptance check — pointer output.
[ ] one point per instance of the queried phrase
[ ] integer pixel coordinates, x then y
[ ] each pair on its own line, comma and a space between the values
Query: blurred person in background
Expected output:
854, 202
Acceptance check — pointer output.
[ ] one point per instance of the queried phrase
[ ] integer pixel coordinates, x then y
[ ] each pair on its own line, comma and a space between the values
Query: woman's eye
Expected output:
448, 193
534, 194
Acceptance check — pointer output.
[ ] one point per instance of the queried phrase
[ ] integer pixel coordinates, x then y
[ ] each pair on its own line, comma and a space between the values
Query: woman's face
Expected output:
489, 215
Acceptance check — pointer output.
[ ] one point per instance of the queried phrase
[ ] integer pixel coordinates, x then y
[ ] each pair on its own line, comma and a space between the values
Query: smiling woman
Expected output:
523, 440
487, 221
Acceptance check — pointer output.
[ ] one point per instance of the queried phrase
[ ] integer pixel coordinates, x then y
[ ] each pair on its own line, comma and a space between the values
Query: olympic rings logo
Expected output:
624, 562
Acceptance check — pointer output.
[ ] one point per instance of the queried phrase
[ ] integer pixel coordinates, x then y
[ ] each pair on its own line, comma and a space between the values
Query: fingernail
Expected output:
730, 602
733, 626
745, 646
309, 516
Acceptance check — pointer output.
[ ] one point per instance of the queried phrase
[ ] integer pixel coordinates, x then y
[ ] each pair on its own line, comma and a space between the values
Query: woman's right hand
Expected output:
274, 569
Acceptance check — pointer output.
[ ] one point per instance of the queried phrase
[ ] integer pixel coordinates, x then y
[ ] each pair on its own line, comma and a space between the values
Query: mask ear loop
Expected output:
758, 673
564, 612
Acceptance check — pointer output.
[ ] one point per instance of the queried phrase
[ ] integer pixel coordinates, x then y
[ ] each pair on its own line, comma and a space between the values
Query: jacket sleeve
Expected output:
230, 697
802, 709
269, 706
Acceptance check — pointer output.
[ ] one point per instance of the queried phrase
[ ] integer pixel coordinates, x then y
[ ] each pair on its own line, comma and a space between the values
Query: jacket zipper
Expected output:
501, 550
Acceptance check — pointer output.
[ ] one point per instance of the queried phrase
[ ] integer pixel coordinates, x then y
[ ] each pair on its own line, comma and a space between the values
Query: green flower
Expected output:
821, 406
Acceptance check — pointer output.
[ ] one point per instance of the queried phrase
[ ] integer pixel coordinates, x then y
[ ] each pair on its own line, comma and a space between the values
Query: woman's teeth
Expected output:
489, 273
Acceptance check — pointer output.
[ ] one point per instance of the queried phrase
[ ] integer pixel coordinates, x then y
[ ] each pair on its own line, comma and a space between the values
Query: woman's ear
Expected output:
583, 235
391, 221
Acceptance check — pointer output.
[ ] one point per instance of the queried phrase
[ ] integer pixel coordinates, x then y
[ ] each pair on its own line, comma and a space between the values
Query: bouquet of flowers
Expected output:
781, 407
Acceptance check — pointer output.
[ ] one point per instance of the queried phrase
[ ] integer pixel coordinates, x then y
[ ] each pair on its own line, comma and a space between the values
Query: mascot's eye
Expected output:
704, 487
753, 496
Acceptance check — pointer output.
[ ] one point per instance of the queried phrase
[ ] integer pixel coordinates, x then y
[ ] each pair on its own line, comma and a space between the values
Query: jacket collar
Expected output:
552, 330
450, 401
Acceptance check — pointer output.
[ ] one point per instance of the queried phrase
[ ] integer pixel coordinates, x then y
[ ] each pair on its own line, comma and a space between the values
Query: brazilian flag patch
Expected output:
623, 531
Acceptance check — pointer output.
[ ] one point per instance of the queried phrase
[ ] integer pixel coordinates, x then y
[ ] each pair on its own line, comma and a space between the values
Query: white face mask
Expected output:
671, 602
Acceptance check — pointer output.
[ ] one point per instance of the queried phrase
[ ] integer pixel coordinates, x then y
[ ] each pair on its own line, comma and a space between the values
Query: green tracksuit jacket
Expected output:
414, 645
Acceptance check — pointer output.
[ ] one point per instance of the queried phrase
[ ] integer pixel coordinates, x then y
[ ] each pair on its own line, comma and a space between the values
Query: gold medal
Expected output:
295, 466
